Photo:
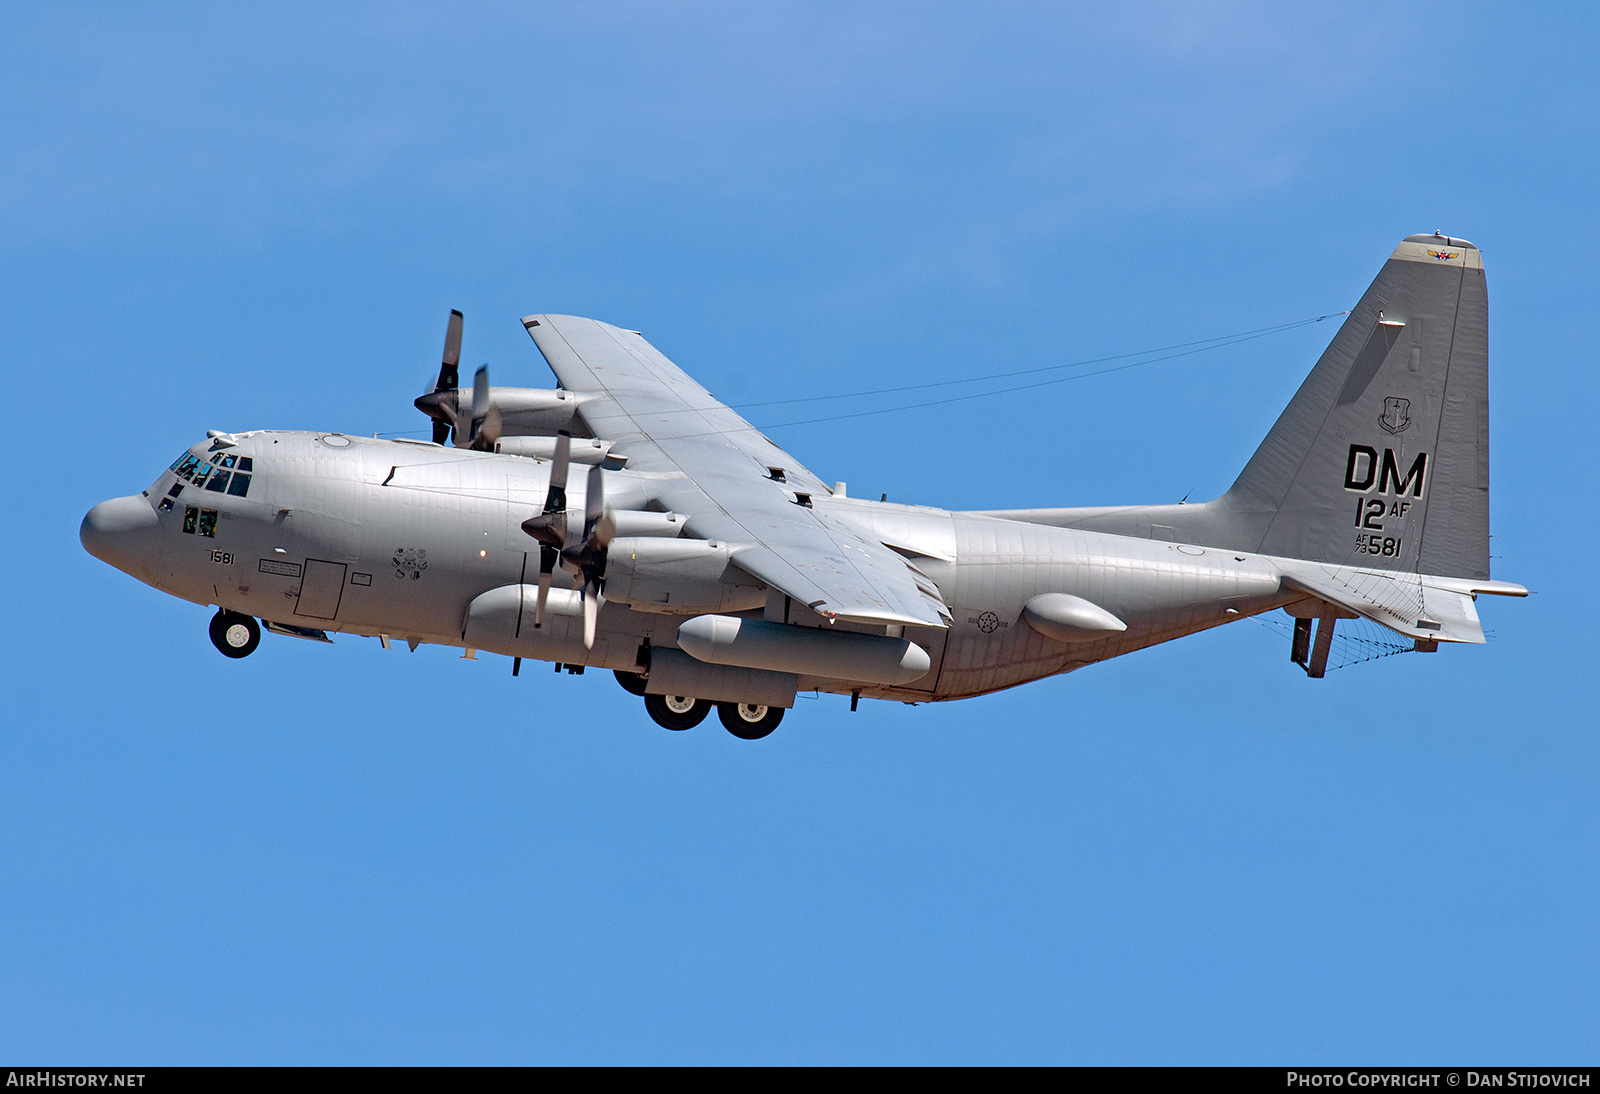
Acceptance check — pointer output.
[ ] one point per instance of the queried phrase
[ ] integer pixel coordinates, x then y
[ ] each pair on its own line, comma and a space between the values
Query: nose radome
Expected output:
124, 532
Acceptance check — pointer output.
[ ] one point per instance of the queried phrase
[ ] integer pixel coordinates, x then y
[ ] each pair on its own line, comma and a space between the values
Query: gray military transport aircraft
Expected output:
706, 567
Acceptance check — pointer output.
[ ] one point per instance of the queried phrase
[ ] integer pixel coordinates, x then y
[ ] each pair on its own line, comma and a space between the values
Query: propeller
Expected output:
441, 404
550, 526
589, 556
586, 557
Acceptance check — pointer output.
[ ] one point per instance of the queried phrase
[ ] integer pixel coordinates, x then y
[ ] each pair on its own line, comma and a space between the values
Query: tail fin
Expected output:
1381, 459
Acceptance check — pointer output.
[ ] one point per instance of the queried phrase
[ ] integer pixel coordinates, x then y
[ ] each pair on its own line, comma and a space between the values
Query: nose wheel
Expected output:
676, 711
234, 634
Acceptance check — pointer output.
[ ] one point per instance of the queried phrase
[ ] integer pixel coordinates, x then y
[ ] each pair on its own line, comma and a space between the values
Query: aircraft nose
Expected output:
124, 532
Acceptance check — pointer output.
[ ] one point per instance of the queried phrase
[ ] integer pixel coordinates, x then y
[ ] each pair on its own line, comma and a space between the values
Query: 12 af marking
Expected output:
1363, 470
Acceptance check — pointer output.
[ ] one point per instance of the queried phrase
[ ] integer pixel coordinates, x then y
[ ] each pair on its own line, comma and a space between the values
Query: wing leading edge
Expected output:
734, 484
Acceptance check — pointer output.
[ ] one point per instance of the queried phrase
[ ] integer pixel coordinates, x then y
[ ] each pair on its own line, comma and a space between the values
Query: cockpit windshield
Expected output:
225, 472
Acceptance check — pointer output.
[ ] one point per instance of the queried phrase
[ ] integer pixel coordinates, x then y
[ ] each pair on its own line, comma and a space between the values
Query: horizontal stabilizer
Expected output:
1437, 609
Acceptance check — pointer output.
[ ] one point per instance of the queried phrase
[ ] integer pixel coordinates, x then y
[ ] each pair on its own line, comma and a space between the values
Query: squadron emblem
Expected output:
1444, 256
1396, 417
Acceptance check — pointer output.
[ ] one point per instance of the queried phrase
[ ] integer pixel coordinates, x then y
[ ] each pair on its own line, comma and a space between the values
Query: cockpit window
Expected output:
218, 475
198, 521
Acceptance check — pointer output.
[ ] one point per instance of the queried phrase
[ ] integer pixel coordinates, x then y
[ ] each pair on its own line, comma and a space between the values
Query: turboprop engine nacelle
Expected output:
524, 411
533, 411
588, 452
678, 576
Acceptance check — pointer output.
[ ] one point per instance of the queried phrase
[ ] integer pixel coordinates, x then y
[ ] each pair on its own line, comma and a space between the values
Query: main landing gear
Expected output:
234, 634
748, 720
678, 712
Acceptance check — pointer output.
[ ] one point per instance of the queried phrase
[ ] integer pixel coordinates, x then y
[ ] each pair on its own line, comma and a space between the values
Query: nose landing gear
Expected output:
234, 634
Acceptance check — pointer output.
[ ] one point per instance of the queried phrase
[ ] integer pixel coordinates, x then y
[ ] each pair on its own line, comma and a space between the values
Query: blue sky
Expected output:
245, 218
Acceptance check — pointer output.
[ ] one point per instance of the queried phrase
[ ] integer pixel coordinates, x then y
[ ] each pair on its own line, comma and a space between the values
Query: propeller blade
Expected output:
550, 527
441, 404
558, 470
598, 524
449, 369
485, 415
468, 417
489, 431
547, 564
480, 392
592, 599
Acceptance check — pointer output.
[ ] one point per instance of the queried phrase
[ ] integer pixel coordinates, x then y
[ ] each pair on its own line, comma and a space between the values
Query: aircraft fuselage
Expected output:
399, 539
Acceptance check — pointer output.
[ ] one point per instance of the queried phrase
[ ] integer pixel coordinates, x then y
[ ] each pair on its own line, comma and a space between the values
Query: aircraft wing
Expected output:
732, 483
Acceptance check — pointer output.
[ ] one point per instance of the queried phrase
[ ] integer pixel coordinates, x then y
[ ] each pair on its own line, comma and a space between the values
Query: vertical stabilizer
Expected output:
1381, 459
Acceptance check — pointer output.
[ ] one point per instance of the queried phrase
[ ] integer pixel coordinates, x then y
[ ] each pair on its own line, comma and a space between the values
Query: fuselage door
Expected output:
320, 589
